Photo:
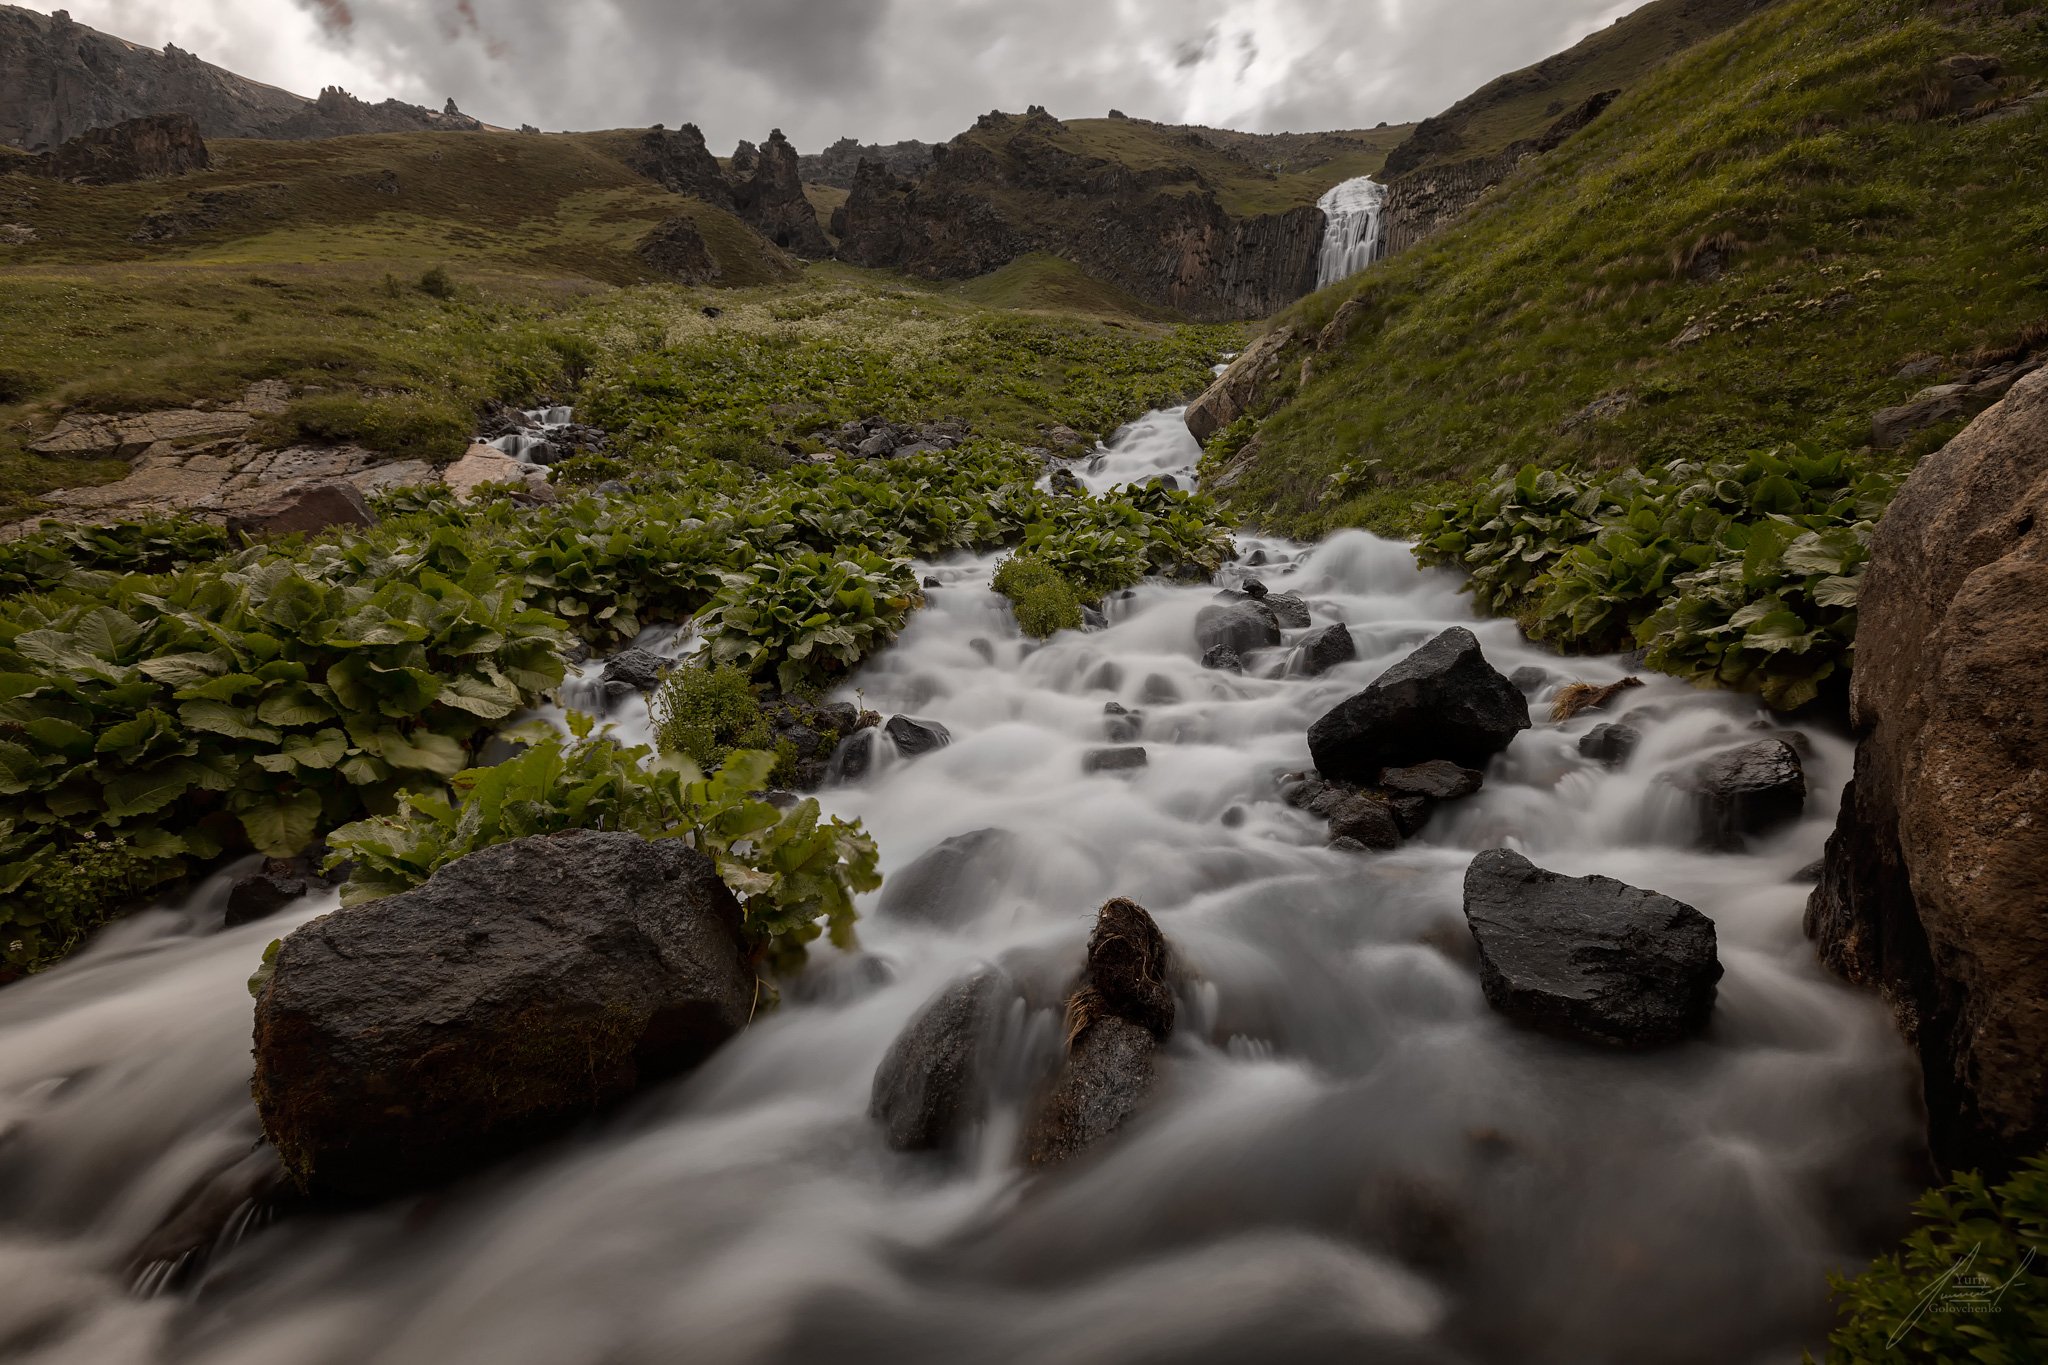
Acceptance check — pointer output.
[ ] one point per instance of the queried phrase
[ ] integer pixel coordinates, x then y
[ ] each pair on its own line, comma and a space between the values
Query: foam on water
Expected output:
1350, 1157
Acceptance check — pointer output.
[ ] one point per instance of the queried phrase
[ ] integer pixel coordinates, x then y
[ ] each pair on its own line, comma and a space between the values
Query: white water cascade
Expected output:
533, 443
1355, 234
1349, 1156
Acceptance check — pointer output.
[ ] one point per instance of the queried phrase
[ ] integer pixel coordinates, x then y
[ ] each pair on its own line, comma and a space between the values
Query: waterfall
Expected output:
1356, 233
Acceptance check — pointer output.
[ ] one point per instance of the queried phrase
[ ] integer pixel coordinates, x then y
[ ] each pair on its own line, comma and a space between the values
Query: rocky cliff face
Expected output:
59, 79
1007, 189
1935, 890
680, 161
772, 201
151, 148
838, 164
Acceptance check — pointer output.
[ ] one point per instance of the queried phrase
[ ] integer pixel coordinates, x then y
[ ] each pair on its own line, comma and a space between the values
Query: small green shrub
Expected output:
436, 283
80, 889
1970, 1284
705, 713
1045, 601
587, 471
808, 619
795, 875
412, 428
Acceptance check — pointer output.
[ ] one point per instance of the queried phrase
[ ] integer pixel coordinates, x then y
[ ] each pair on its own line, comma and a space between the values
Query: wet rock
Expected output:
1325, 650
1748, 791
1367, 820
262, 894
854, 759
1107, 677
638, 669
1239, 626
1437, 780
934, 1083
1115, 1022
1442, 701
1064, 481
1120, 726
809, 735
1114, 760
1529, 679
181, 1243
1589, 957
1159, 690
1610, 744
931, 582
954, 883
306, 509
1289, 609
1223, 658
1253, 588
1812, 872
916, 738
984, 650
520, 990
1091, 619
1234, 818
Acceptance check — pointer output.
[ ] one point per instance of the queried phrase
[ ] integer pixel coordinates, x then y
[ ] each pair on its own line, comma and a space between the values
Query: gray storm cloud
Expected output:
889, 69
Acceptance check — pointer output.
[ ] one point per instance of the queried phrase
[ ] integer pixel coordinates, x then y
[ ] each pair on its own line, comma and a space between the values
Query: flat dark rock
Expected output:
1748, 791
1589, 957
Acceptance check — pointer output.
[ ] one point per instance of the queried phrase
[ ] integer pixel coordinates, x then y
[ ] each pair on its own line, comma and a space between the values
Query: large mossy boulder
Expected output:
1443, 701
1589, 957
520, 990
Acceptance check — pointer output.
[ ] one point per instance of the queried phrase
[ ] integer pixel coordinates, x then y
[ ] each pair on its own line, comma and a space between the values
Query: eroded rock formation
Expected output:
772, 200
1935, 888
153, 148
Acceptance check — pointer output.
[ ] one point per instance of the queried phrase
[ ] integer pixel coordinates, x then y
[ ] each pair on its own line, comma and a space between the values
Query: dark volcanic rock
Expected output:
1326, 649
1529, 679
1288, 609
309, 508
1159, 690
278, 883
1240, 627
1114, 760
1116, 1020
934, 1083
681, 162
810, 733
773, 201
1224, 659
520, 990
1366, 819
1750, 790
1442, 701
915, 738
1121, 726
955, 882
1611, 744
1436, 780
676, 250
637, 668
1589, 957
151, 148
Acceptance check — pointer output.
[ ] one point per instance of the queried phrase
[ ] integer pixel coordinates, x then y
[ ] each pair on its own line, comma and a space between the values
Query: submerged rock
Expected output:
915, 738
1748, 791
638, 669
1121, 726
1238, 626
1442, 701
954, 883
520, 990
1115, 1021
1223, 659
1610, 744
933, 1084
1114, 760
1368, 820
1589, 957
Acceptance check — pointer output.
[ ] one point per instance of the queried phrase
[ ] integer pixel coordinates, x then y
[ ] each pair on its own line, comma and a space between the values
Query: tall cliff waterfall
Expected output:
1352, 240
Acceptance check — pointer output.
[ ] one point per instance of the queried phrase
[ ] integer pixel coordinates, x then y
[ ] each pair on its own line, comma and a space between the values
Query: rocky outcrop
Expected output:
1589, 957
522, 989
1116, 1021
1935, 888
772, 200
1443, 701
1244, 388
676, 251
681, 162
59, 79
1325, 650
153, 148
839, 164
304, 510
1013, 186
1930, 407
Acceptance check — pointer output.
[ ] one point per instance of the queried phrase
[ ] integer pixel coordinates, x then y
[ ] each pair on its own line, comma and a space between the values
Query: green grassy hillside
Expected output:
1521, 104
1745, 251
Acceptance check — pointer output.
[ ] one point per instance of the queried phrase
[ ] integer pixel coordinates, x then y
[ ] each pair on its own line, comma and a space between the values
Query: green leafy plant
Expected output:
82, 887
436, 283
1045, 601
807, 619
794, 873
1971, 1283
50, 556
705, 713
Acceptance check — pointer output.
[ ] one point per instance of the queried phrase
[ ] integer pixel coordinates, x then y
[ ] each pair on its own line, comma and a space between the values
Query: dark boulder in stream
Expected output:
915, 738
1240, 627
522, 989
954, 883
933, 1084
1115, 1022
1589, 957
1323, 651
1748, 791
1442, 701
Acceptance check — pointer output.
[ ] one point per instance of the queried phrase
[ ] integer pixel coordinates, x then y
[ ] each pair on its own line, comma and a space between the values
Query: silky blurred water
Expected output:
1349, 1158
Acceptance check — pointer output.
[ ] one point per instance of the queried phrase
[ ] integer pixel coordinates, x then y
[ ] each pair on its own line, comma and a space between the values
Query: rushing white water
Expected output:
1354, 237
1350, 1157
535, 437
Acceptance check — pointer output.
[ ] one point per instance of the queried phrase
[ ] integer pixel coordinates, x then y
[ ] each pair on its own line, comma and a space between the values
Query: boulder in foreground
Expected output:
1442, 701
1589, 957
522, 989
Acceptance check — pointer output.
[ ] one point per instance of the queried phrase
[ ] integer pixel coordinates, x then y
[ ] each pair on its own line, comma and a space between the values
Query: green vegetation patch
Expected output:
1044, 600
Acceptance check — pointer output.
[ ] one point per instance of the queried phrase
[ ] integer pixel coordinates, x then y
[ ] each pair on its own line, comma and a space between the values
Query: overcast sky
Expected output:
879, 70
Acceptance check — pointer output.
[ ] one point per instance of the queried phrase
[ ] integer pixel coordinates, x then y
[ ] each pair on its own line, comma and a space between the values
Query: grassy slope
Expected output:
1865, 235
1522, 104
